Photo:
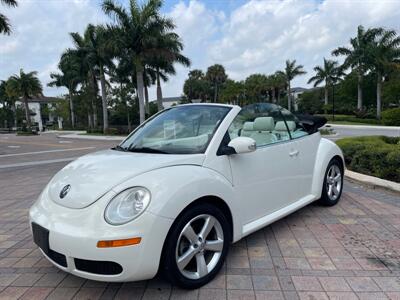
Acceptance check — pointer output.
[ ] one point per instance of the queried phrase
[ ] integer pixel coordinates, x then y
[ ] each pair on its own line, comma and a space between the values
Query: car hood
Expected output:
91, 176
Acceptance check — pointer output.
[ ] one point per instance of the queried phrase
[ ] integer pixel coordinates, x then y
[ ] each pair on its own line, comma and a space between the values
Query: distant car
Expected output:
180, 189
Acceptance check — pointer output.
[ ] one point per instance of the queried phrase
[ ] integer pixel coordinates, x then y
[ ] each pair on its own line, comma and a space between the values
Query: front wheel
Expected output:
196, 246
333, 183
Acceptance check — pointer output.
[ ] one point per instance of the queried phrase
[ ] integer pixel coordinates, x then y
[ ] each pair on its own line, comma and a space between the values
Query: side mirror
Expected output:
243, 144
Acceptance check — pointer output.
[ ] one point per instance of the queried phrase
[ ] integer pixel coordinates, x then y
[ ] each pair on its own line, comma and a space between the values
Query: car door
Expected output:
263, 180
304, 149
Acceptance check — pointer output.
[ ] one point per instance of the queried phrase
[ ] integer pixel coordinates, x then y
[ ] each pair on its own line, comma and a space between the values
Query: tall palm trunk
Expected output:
215, 93
27, 114
359, 92
159, 92
146, 100
14, 110
326, 97
94, 97
104, 99
71, 108
140, 87
379, 96
289, 97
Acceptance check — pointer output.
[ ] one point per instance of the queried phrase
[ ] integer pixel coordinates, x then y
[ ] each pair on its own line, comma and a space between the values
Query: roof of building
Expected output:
169, 99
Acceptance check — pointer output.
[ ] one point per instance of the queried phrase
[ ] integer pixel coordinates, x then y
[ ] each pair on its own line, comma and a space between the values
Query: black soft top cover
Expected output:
311, 123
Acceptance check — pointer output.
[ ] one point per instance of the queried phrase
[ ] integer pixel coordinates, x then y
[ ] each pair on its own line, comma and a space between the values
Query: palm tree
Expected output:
26, 86
95, 49
138, 30
328, 73
70, 77
170, 48
357, 55
4, 23
291, 71
384, 55
216, 76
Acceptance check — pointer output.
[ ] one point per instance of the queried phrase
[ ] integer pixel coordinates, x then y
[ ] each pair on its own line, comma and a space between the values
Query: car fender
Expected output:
174, 188
326, 151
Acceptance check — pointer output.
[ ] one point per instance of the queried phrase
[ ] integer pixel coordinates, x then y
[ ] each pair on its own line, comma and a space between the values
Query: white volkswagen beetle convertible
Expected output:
180, 189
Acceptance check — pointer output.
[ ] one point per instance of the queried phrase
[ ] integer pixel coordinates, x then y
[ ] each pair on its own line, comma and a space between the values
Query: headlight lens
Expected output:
127, 205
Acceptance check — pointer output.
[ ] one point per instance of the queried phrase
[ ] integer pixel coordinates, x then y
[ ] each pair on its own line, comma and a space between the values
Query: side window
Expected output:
295, 127
263, 122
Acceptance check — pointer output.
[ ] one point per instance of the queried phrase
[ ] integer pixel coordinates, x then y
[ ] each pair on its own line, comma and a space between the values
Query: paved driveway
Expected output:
350, 251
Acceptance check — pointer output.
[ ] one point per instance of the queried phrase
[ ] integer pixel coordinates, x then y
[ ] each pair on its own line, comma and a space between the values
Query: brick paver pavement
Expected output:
350, 251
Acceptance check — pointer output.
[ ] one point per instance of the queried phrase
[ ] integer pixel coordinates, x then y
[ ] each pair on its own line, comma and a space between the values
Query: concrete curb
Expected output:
372, 181
91, 137
363, 126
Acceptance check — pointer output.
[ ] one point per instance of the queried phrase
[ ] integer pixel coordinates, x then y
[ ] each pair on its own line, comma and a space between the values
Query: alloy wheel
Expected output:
333, 182
199, 247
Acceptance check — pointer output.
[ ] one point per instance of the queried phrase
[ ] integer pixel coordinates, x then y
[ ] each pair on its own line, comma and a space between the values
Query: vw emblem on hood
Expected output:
65, 191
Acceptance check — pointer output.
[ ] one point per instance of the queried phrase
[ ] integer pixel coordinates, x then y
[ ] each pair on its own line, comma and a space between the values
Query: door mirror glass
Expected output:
243, 144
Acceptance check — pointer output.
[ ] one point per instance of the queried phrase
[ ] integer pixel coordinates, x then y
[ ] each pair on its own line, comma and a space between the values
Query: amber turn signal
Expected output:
118, 243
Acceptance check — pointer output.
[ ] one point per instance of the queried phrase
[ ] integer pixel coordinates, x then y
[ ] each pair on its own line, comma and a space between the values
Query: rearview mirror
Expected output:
243, 144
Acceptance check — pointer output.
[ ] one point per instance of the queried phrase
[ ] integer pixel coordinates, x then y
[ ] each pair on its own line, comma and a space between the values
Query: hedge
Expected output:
391, 117
377, 156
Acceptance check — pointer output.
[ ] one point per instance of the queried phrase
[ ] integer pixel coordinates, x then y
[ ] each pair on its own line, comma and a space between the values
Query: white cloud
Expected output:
257, 36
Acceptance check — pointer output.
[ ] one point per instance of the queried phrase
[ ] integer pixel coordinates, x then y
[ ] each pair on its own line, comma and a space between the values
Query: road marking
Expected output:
28, 143
46, 151
35, 163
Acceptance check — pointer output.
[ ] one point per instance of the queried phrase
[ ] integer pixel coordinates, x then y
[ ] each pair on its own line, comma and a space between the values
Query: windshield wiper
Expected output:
119, 148
147, 150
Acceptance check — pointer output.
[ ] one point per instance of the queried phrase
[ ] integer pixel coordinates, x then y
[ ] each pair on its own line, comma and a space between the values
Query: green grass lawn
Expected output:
350, 120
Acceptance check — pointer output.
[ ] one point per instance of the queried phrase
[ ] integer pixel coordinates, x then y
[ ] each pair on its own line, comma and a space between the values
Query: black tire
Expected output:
170, 252
327, 199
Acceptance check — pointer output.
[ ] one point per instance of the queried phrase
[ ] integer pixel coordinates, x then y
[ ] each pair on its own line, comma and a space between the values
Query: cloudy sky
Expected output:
244, 36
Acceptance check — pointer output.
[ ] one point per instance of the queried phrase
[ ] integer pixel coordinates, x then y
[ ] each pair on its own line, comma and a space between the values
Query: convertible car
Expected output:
180, 189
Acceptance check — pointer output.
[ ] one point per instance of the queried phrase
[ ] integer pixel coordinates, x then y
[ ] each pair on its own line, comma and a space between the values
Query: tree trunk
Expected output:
215, 93
104, 99
279, 96
159, 92
379, 96
14, 109
140, 85
90, 123
326, 95
359, 93
71, 109
289, 97
27, 114
146, 100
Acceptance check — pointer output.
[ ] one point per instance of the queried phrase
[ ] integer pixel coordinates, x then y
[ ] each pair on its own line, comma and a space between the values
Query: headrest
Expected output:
280, 126
248, 126
264, 124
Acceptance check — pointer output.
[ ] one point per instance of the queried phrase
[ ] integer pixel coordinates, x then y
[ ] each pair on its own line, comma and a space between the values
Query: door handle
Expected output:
293, 153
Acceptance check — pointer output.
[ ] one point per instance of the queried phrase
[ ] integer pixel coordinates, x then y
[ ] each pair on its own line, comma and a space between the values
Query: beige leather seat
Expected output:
263, 127
281, 130
247, 129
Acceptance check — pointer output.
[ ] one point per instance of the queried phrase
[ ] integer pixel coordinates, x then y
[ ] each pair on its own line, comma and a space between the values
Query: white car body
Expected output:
258, 188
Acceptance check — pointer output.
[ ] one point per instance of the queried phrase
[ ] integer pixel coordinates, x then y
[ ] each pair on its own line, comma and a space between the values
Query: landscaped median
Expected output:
377, 156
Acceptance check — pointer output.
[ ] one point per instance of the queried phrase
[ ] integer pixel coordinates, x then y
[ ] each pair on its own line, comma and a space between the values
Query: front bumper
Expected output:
74, 233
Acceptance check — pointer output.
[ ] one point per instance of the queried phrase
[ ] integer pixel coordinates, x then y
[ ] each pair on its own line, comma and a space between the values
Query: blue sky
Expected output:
254, 36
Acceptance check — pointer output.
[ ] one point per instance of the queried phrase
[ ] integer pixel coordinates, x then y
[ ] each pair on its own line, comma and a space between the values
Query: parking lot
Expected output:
350, 251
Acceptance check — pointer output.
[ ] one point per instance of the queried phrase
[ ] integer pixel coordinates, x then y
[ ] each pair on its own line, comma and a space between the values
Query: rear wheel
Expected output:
196, 246
333, 183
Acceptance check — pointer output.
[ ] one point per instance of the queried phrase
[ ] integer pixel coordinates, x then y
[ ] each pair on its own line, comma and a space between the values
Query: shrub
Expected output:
391, 117
373, 155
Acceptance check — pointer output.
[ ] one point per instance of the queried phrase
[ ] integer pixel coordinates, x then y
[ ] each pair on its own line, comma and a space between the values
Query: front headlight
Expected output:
127, 205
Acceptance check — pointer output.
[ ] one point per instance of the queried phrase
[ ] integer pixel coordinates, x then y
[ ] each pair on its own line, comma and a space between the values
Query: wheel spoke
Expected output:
189, 233
201, 264
208, 225
186, 258
330, 190
215, 246
338, 178
335, 190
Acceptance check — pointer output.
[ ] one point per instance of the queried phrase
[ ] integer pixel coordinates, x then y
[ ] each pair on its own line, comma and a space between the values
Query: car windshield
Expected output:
185, 129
